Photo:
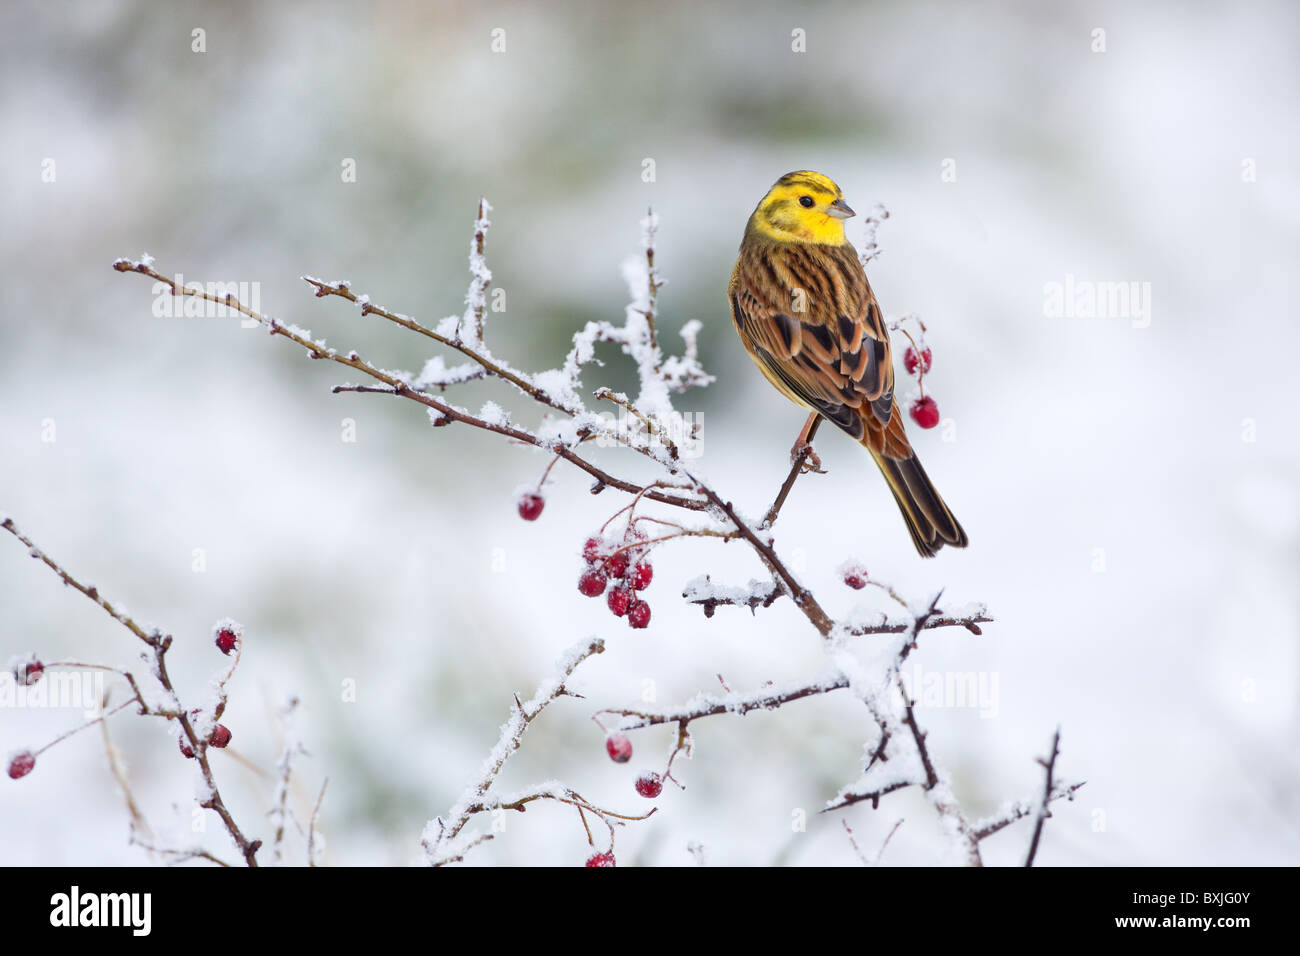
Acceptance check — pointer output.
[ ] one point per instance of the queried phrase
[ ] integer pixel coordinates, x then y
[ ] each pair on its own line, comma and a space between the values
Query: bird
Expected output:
805, 312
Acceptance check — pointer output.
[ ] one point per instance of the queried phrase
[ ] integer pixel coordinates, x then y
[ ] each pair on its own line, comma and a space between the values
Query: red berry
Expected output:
226, 640
925, 412
220, 736
591, 550
641, 575
617, 564
21, 764
855, 576
618, 747
911, 362
649, 785
28, 672
601, 859
638, 615
592, 583
620, 599
531, 505
186, 750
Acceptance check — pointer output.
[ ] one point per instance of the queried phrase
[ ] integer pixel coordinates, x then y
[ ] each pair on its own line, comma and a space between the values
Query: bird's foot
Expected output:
802, 454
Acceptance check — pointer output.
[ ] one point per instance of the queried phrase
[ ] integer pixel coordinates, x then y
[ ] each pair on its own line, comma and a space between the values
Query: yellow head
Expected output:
803, 206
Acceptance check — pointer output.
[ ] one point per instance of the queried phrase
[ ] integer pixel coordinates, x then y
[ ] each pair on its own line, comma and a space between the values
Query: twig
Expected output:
651, 225
403, 389
158, 644
115, 766
285, 765
1044, 811
803, 598
879, 853
796, 469
1018, 811
311, 825
180, 856
709, 598
440, 838
766, 698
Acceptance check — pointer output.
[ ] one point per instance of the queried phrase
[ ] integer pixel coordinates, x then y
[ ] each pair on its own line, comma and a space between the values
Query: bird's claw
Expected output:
803, 454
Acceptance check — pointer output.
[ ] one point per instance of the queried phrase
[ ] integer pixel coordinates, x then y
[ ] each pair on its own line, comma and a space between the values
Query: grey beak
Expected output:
840, 210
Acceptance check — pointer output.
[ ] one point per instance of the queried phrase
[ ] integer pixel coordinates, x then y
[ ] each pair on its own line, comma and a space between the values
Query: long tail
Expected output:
928, 519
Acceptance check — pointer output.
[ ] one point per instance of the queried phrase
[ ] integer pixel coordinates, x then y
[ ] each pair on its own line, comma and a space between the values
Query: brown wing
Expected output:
808, 317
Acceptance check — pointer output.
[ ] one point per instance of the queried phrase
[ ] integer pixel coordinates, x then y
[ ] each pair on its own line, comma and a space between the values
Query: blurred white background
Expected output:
397, 561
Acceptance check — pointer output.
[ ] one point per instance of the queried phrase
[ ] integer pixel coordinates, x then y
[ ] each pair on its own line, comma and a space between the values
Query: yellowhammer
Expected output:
809, 320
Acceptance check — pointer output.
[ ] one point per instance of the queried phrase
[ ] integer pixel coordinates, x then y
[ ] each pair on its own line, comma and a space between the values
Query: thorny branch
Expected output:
158, 645
448, 841
1049, 787
445, 842
1021, 809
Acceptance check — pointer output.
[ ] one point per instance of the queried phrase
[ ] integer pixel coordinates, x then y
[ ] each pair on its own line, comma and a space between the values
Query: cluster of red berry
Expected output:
924, 410
626, 565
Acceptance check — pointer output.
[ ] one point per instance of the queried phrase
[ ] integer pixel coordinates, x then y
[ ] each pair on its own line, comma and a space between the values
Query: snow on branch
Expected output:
199, 731
447, 840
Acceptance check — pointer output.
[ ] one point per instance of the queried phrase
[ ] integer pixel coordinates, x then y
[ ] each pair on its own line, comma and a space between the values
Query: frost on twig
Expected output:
281, 815
447, 840
659, 377
702, 591
197, 731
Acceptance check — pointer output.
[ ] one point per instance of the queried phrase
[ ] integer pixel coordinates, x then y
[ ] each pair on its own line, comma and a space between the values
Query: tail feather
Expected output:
928, 519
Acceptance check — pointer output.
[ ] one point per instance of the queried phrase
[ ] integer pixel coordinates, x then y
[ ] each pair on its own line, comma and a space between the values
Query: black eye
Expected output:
806, 202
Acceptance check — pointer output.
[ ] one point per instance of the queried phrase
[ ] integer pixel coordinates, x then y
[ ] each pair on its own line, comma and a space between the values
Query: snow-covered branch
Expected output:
199, 729
448, 840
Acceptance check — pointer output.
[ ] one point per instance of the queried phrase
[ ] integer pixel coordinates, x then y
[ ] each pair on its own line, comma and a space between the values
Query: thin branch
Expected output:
440, 845
710, 597
490, 367
118, 770
1018, 811
766, 698
879, 853
796, 469
872, 796
180, 856
403, 389
311, 825
1049, 785
652, 429
158, 644
653, 285
922, 751
803, 598
89, 591
285, 765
